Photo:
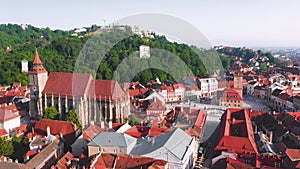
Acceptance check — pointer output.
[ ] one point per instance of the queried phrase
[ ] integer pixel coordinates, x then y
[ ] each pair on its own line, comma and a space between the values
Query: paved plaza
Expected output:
254, 103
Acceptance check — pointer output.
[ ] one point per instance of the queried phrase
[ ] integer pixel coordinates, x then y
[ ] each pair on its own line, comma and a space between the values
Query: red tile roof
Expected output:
67, 84
37, 59
3, 132
232, 94
122, 161
293, 154
67, 129
30, 154
107, 89
157, 105
6, 115
37, 64
158, 131
137, 131
236, 132
65, 161
137, 92
197, 129
91, 132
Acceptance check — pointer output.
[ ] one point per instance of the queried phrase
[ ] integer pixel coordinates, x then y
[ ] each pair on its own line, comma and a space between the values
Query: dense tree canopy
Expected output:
6, 147
51, 113
73, 116
59, 51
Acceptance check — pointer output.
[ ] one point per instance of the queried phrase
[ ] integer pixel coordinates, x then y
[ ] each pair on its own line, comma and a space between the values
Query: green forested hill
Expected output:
59, 51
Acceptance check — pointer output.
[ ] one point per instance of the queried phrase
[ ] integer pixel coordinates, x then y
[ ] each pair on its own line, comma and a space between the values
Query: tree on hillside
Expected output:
73, 116
51, 113
6, 147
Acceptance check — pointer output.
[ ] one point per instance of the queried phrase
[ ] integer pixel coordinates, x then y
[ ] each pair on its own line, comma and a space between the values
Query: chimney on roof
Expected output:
102, 124
92, 122
271, 136
261, 136
255, 128
4, 159
16, 161
110, 124
154, 99
48, 131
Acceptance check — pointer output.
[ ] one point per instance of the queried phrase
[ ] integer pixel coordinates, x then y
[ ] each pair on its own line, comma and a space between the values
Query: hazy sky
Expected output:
251, 23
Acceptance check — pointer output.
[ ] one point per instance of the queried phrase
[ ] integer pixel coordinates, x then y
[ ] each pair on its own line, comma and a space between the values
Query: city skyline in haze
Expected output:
257, 23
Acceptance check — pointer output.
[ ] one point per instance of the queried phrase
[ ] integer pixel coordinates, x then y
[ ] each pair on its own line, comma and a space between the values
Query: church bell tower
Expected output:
38, 76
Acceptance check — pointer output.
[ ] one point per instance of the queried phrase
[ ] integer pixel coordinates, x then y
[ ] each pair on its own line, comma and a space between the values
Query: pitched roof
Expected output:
11, 165
232, 94
6, 115
107, 89
293, 154
3, 132
156, 105
38, 64
36, 160
137, 131
91, 132
37, 59
113, 139
67, 129
63, 162
67, 84
176, 142
236, 132
122, 161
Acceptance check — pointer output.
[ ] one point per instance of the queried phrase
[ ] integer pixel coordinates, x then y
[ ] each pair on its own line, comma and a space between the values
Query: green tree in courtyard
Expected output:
133, 121
51, 113
73, 116
6, 147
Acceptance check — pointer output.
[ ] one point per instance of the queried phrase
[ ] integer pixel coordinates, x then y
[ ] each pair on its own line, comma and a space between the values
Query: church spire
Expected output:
37, 60
37, 63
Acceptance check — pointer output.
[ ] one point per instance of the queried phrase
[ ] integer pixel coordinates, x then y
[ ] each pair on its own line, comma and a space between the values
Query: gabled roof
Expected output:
122, 161
113, 139
156, 105
6, 115
107, 89
236, 132
175, 142
67, 84
67, 129
232, 94
137, 131
65, 161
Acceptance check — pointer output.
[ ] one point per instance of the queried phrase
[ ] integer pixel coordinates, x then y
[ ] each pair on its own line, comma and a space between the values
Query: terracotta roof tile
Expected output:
67, 129
67, 84
107, 89
137, 131
65, 161
6, 115
232, 94
3, 132
122, 161
293, 154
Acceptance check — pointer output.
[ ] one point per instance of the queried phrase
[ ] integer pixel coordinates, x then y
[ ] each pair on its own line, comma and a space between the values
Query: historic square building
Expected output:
95, 100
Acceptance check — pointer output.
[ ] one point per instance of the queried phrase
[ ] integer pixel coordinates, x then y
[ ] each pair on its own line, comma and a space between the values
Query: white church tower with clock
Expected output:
38, 76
